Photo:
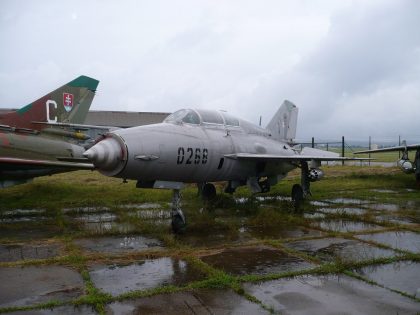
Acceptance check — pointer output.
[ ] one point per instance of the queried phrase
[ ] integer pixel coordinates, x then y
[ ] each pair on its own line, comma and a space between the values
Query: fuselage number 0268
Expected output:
192, 156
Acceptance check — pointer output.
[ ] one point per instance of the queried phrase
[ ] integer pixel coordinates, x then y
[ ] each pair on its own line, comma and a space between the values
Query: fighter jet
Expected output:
205, 146
404, 163
38, 139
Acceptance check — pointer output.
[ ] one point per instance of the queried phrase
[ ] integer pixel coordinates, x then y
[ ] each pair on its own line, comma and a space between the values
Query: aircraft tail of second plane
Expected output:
69, 103
283, 125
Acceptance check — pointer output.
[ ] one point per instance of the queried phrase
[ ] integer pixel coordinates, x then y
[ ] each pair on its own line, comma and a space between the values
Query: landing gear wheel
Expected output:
208, 192
297, 196
178, 224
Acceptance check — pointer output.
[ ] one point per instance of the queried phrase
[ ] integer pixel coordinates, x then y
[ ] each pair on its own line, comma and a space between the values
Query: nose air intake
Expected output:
108, 155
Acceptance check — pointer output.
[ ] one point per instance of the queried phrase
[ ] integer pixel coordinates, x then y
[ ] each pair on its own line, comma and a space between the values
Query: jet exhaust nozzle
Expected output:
108, 155
406, 166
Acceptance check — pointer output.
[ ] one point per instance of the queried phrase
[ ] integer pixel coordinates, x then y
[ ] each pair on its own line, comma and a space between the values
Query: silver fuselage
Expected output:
195, 153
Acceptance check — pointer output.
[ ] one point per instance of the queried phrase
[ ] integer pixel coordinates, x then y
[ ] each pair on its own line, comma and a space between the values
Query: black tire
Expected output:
208, 192
178, 225
297, 196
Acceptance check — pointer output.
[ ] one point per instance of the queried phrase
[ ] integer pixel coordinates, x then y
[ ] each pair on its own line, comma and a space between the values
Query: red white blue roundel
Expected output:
68, 101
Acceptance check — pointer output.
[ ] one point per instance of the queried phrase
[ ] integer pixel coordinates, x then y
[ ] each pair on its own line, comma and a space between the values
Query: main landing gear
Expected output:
300, 192
178, 218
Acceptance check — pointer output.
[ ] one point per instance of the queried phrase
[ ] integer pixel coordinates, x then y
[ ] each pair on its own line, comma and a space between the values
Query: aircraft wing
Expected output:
75, 126
307, 154
391, 149
297, 157
8, 163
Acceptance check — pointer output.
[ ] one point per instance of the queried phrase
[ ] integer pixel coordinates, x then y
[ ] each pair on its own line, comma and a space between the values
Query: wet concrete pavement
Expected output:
330, 295
45, 258
260, 260
147, 274
329, 249
200, 302
28, 285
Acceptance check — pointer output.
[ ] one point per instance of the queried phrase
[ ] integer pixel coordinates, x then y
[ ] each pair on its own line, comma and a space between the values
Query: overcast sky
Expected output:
352, 67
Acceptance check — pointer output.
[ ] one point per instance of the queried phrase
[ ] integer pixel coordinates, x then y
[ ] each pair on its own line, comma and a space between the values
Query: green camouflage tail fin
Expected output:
67, 104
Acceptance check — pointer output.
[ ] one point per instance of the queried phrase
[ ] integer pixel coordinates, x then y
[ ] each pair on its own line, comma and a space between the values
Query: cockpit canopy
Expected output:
202, 116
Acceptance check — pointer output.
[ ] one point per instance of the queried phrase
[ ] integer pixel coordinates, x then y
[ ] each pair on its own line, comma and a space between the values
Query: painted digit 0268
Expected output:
190, 156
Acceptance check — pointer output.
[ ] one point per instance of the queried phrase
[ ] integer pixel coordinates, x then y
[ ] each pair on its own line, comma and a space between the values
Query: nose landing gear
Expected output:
178, 219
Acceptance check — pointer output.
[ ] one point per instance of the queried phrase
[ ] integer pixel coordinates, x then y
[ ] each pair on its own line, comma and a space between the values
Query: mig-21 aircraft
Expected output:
204, 146
37, 139
404, 163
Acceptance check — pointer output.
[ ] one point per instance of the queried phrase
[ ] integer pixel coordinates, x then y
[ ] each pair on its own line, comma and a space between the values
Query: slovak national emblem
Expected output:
68, 101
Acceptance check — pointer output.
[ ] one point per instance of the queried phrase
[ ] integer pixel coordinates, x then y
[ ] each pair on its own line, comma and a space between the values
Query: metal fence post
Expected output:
342, 149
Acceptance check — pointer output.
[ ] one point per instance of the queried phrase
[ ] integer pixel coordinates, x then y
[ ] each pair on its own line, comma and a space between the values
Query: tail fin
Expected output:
283, 125
69, 103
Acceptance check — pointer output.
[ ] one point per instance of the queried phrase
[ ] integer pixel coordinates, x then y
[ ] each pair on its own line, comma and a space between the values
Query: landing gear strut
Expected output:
178, 218
300, 192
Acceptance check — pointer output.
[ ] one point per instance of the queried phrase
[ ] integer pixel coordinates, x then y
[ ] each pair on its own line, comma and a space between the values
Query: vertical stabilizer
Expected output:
69, 103
283, 125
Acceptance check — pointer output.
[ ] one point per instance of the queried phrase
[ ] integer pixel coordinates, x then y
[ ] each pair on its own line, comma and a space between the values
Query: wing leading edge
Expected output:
10, 162
307, 154
392, 149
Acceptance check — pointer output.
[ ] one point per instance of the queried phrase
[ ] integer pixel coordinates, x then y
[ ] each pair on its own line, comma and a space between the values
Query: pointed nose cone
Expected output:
108, 155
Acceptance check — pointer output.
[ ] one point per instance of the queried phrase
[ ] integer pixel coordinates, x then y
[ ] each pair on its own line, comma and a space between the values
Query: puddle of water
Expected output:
261, 199
85, 210
343, 211
327, 249
142, 206
409, 241
118, 244
22, 219
385, 207
96, 217
384, 191
241, 200
23, 215
153, 214
319, 203
196, 302
403, 276
347, 226
348, 201
333, 294
255, 260
314, 215
398, 220
22, 212
281, 232
29, 285
99, 223
15, 252
143, 275
61, 310
217, 237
